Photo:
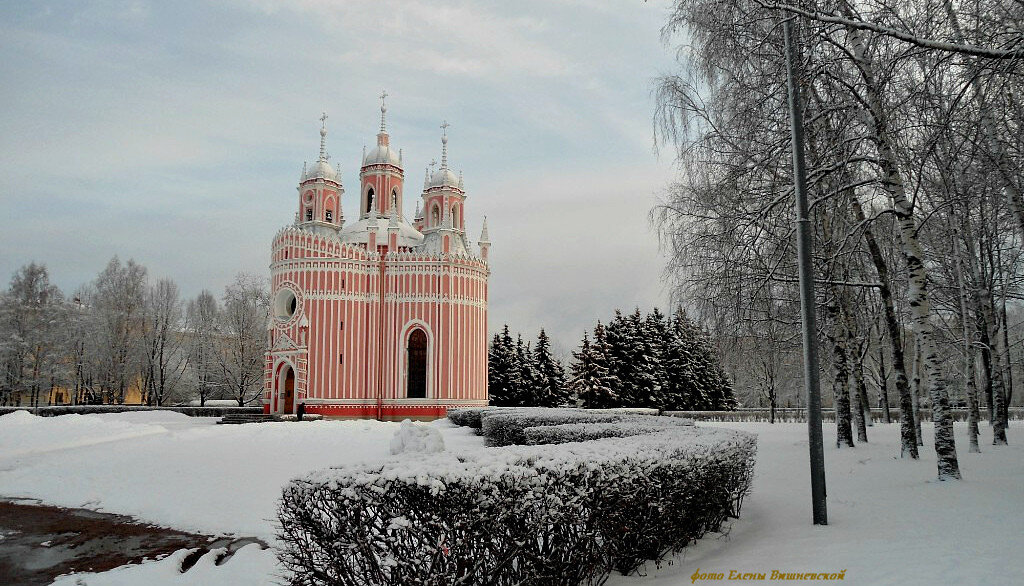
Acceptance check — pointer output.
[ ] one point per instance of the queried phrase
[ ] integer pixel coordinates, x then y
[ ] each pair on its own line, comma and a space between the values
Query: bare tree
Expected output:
118, 303
162, 335
242, 344
202, 324
31, 336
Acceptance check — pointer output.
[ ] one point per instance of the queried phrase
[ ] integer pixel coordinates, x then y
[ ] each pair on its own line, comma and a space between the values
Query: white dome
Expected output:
382, 155
321, 170
444, 178
358, 233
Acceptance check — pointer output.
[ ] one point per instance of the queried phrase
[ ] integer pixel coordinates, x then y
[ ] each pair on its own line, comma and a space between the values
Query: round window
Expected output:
285, 304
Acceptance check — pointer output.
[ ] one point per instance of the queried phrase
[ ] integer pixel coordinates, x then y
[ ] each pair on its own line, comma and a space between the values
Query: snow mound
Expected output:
416, 438
22, 433
17, 418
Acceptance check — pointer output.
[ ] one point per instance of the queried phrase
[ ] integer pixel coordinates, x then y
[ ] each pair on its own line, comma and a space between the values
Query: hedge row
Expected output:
538, 514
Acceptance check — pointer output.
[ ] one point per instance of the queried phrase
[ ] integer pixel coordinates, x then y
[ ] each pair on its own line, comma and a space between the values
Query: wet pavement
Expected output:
39, 542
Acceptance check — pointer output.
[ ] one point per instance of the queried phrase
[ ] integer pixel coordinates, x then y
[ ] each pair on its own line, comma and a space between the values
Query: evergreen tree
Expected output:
589, 381
502, 370
552, 391
659, 350
643, 363
527, 381
618, 345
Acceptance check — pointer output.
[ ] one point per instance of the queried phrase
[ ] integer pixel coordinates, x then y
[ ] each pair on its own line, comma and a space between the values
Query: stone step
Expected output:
239, 418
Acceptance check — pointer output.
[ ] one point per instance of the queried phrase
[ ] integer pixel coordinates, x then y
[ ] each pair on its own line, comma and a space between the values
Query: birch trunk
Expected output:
915, 391
860, 418
913, 253
883, 384
970, 388
989, 333
840, 384
908, 432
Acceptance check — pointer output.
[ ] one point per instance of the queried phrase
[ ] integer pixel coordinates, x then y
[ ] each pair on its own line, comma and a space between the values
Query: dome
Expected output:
321, 170
358, 233
382, 155
444, 178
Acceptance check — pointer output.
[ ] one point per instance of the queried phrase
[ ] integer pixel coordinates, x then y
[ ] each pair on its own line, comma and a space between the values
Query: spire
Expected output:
484, 237
444, 144
426, 177
460, 179
304, 169
419, 211
323, 137
383, 111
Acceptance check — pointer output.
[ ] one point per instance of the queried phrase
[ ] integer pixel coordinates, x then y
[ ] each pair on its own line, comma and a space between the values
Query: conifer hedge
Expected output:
548, 514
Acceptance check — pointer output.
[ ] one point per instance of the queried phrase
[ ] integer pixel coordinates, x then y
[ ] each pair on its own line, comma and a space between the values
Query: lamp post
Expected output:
803, 253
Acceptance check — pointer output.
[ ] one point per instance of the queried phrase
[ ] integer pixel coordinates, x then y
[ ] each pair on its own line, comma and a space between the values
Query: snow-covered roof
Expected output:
443, 177
321, 169
359, 233
382, 155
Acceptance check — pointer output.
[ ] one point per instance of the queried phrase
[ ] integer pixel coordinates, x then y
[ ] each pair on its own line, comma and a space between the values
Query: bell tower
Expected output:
443, 195
381, 178
320, 191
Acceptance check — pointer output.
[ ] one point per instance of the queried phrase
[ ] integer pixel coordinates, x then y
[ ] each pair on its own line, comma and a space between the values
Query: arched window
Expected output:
416, 385
329, 216
369, 200
309, 214
455, 216
394, 198
435, 215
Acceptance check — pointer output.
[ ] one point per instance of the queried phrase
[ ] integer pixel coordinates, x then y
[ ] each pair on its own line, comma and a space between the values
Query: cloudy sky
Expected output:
174, 133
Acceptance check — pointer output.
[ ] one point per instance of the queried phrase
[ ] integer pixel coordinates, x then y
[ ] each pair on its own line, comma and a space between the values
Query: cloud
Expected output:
174, 133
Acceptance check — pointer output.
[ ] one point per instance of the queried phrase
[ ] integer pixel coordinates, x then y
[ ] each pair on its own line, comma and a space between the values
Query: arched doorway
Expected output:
416, 358
287, 390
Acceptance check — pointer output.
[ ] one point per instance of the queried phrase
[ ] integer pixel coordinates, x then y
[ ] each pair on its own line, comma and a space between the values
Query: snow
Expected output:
890, 520
412, 437
183, 472
249, 565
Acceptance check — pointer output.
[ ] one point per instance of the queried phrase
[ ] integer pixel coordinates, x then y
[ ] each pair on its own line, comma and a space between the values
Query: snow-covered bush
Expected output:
416, 438
466, 417
538, 514
504, 427
581, 432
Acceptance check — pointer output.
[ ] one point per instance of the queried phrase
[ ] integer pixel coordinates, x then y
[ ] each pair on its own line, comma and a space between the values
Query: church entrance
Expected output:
417, 361
287, 392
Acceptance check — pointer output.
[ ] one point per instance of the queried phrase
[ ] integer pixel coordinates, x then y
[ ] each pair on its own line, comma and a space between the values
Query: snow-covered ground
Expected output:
890, 521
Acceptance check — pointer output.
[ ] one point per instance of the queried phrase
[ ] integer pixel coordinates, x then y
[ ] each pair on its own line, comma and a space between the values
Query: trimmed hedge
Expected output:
538, 514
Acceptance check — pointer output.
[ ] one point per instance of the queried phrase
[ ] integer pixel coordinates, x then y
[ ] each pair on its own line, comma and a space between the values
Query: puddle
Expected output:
39, 543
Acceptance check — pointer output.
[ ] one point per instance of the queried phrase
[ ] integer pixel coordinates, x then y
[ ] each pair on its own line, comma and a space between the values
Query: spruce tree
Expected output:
589, 381
552, 391
525, 381
502, 370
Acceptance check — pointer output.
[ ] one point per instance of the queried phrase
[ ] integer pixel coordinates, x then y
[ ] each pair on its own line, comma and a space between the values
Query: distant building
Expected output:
377, 317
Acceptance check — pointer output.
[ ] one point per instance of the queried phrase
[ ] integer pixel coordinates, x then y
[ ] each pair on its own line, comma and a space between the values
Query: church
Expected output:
377, 317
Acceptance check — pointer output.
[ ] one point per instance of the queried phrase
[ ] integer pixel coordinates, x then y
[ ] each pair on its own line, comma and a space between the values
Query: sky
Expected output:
174, 133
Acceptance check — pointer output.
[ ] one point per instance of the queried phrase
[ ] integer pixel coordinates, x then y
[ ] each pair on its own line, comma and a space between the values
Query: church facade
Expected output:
377, 317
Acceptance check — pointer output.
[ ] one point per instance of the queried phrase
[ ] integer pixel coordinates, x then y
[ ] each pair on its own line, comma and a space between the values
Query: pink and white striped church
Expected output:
377, 317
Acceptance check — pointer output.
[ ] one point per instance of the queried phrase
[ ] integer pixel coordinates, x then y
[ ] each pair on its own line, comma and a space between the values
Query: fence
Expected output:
784, 415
